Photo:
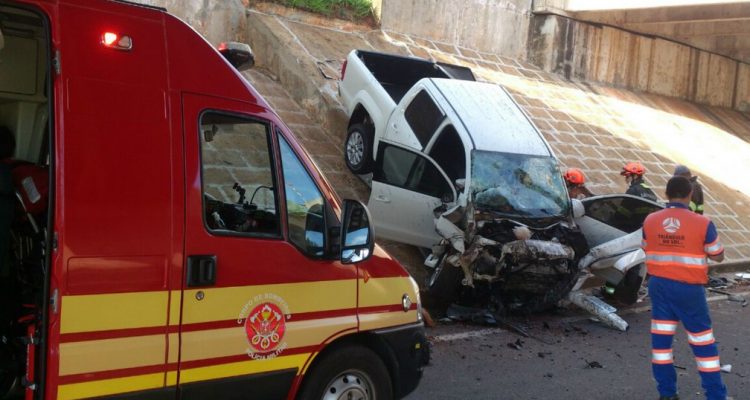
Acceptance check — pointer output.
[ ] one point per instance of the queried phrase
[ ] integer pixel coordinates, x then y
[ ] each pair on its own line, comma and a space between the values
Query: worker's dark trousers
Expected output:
672, 302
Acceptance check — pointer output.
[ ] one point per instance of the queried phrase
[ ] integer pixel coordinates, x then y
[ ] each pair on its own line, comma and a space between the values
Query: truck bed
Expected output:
398, 74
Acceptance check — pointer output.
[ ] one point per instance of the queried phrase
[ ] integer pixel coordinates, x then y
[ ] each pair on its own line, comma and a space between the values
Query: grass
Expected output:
346, 9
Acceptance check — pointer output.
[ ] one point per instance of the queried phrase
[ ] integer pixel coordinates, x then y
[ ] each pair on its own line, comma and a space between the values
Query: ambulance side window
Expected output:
239, 190
305, 206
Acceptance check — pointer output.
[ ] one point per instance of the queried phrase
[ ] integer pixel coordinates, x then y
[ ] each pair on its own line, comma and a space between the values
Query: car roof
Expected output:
492, 118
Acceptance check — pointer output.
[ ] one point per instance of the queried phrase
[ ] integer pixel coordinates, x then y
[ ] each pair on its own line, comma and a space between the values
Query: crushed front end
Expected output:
514, 241
507, 265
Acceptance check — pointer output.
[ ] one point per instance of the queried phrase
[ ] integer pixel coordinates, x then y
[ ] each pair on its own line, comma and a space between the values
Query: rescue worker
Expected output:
696, 202
677, 243
633, 173
576, 183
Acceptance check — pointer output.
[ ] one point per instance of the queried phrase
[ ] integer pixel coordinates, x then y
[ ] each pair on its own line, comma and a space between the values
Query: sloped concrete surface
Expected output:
590, 126
217, 20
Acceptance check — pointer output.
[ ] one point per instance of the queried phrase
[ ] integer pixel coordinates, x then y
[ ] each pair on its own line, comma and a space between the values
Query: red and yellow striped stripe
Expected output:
116, 343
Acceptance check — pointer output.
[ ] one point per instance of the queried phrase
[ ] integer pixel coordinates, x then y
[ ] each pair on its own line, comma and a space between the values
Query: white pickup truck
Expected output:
431, 135
458, 167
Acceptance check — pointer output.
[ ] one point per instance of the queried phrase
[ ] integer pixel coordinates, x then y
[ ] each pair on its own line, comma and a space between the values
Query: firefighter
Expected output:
696, 202
576, 183
677, 243
633, 173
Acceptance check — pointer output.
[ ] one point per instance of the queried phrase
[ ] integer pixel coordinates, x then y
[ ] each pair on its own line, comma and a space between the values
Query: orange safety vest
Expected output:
675, 245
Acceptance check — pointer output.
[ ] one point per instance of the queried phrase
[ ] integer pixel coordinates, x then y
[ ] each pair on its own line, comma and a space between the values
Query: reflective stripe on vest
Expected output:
675, 246
708, 364
702, 338
662, 356
677, 259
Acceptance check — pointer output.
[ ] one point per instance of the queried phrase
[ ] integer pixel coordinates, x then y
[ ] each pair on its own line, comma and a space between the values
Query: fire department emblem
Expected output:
265, 327
671, 224
264, 321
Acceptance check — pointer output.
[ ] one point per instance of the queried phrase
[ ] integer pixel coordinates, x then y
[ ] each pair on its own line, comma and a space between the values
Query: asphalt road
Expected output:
574, 358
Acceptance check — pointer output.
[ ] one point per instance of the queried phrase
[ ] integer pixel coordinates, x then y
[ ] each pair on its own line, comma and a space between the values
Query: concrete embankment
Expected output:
590, 126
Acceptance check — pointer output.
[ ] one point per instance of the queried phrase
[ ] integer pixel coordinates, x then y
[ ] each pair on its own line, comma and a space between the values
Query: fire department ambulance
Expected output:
164, 236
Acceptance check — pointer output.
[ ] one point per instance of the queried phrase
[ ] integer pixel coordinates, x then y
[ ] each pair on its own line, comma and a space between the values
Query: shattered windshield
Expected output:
517, 184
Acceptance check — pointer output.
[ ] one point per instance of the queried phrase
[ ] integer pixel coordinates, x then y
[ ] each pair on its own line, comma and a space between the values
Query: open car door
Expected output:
612, 227
406, 187
609, 217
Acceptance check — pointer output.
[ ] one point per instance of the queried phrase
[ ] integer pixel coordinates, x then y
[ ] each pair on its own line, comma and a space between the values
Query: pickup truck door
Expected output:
406, 187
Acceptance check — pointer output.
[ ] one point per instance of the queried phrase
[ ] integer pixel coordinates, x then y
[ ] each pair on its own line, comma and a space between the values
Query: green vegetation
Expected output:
347, 9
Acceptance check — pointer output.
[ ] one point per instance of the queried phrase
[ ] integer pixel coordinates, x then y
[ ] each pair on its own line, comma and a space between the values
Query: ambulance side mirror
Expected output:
240, 55
357, 236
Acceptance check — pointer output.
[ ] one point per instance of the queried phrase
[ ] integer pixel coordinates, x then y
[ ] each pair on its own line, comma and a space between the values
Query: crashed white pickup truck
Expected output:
458, 168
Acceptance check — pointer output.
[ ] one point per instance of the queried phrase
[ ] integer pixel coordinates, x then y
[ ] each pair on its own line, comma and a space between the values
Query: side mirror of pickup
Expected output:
357, 236
240, 55
578, 209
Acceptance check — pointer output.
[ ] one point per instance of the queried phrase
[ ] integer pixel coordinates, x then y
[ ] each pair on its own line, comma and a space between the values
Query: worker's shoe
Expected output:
675, 397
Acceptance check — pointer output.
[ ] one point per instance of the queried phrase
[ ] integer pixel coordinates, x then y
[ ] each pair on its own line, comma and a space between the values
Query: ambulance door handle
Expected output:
201, 270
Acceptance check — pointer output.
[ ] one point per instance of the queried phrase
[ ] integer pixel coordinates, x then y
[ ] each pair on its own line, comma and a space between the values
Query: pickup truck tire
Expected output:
350, 371
358, 148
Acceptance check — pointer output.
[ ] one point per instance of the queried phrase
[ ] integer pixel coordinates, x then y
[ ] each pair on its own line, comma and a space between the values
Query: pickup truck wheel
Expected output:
358, 148
350, 372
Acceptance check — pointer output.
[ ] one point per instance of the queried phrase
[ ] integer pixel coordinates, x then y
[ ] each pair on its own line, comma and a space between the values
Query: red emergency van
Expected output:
162, 233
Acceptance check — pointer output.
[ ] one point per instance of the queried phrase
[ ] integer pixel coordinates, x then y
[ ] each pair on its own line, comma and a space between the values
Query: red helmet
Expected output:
574, 176
633, 168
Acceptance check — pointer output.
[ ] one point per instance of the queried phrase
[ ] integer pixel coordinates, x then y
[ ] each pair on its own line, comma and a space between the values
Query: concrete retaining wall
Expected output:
277, 50
217, 20
492, 26
584, 51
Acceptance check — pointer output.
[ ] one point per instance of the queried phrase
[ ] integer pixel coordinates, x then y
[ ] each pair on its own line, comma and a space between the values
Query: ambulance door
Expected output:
260, 295
114, 229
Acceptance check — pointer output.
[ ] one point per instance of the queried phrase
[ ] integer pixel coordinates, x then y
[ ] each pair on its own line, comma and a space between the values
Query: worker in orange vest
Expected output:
677, 243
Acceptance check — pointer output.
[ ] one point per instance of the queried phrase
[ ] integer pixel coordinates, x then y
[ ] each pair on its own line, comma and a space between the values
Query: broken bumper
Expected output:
410, 352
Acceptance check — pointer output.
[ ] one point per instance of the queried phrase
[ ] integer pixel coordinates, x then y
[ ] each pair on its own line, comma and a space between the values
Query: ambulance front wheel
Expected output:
350, 372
